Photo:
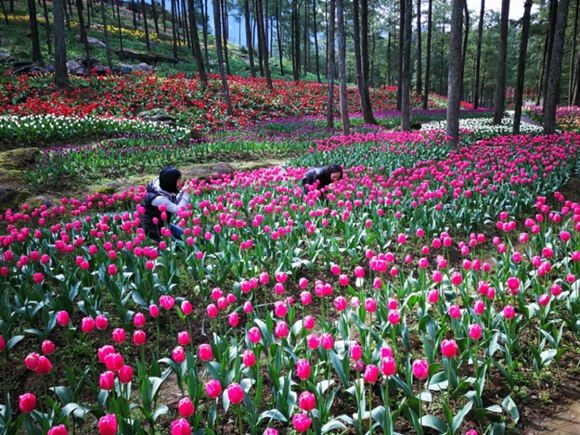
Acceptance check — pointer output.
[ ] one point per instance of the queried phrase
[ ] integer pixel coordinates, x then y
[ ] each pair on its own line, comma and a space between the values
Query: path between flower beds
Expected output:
564, 423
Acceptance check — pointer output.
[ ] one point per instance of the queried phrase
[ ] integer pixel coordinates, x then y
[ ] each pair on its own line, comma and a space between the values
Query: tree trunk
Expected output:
66, 17
83, 33
402, 4
173, 28
367, 109
330, 67
305, 39
249, 37
155, 18
225, 35
218, 43
464, 49
315, 41
47, 27
196, 45
428, 66
553, 93
522, 66
550, 48
501, 74
296, 39
389, 59
342, 68
106, 35
279, 35
454, 81
263, 42
571, 80
134, 9
147, 43
204, 8
406, 70
419, 66
478, 56
60, 71
372, 70
119, 24
164, 15
4, 12
441, 91
187, 31
36, 53
543, 70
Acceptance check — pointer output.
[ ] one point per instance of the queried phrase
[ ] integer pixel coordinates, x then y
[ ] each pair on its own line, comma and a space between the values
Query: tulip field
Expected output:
425, 294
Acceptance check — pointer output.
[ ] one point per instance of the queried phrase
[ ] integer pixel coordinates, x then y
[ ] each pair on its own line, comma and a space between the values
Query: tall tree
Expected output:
342, 67
367, 111
147, 43
36, 53
155, 18
218, 44
196, 45
330, 66
553, 93
106, 35
225, 36
428, 66
279, 35
47, 27
522, 66
402, 4
501, 73
419, 32
4, 12
60, 72
364, 103
249, 37
454, 82
314, 30
464, 46
406, 70
478, 56
83, 33
571, 80
548, 50
119, 25
263, 42
295, 18
204, 13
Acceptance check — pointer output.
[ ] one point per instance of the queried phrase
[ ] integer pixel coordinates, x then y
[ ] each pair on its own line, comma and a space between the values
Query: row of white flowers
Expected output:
48, 128
483, 127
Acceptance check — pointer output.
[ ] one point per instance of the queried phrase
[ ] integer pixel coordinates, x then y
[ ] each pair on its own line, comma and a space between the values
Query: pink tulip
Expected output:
281, 329
302, 283
180, 427
185, 407
509, 312
432, 296
178, 354
371, 374
303, 369
27, 403
313, 341
389, 366
119, 335
205, 352
308, 322
87, 325
475, 331
186, 307
371, 305
44, 366
249, 358
47, 347
394, 317
153, 310
280, 308
62, 318
235, 393
301, 422
233, 319
108, 425
356, 351
101, 322
139, 337
327, 341
58, 430
107, 380
449, 348
125, 374
420, 369
139, 320
307, 401
306, 298
340, 303
183, 338
455, 311
254, 334
114, 361
213, 388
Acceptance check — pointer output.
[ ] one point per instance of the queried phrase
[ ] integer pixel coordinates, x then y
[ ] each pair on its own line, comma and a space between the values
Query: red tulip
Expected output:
32, 361
371, 374
87, 325
139, 337
62, 318
44, 366
205, 352
420, 369
301, 422
102, 322
119, 335
183, 338
58, 430
449, 348
178, 354
125, 374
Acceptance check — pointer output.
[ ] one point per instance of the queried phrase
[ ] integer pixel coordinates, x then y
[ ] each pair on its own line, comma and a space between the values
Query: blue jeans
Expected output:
176, 233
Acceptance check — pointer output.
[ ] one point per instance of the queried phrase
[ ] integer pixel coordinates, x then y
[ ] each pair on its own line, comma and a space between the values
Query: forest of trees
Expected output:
425, 45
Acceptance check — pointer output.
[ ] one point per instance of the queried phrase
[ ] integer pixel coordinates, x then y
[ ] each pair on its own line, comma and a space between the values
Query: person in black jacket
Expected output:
322, 176
163, 193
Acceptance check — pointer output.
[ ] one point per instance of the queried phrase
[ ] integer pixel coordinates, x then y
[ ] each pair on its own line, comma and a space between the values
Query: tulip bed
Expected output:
416, 298
181, 96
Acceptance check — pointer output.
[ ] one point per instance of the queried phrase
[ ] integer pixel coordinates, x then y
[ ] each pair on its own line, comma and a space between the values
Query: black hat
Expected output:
168, 179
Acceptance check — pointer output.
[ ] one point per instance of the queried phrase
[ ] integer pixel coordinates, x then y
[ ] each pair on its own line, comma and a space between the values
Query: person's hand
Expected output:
188, 187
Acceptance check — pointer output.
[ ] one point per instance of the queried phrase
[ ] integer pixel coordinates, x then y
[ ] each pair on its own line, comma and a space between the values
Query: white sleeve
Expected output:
182, 198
